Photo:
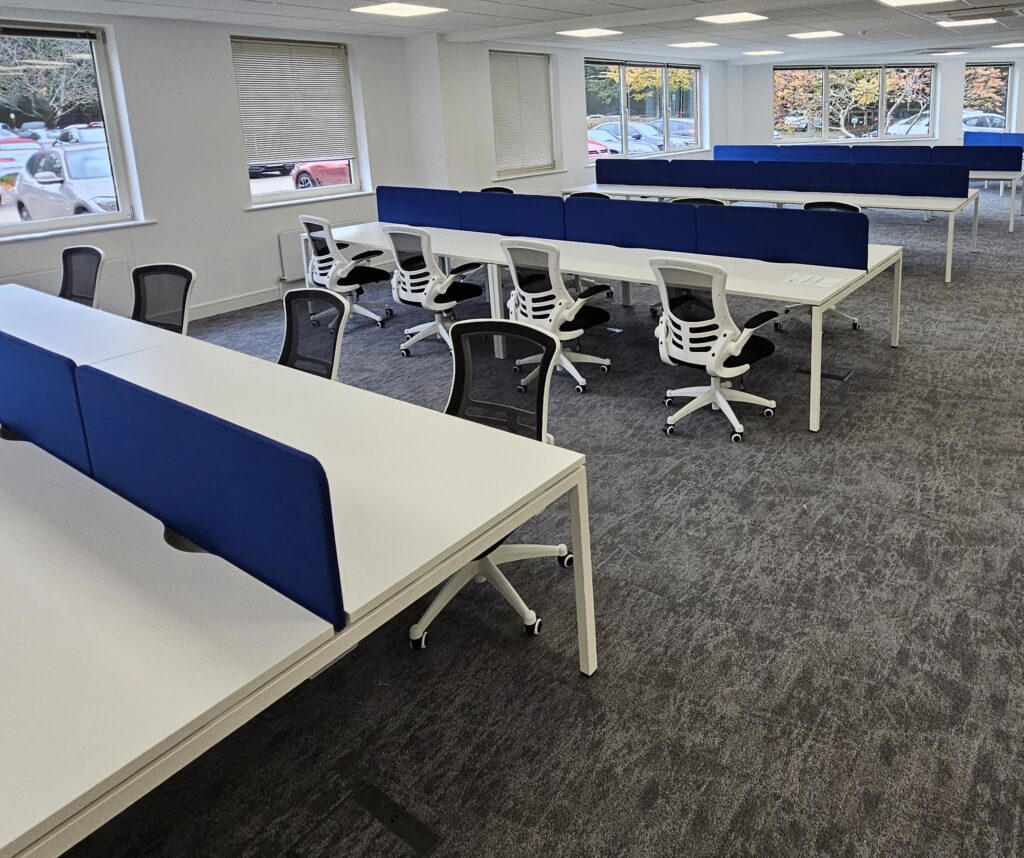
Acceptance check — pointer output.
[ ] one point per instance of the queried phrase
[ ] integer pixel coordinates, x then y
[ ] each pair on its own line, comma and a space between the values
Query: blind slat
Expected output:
521, 106
295, 100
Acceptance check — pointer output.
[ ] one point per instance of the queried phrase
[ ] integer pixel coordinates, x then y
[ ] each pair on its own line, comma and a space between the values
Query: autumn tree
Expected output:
48, 80
985, 88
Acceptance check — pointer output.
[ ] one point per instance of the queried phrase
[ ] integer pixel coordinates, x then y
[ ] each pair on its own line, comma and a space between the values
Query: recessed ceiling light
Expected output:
949, 53
1010, 45
399, 10
817, 34
731, 18
967, 22
761, 53
694, 45
914, 2
589, 33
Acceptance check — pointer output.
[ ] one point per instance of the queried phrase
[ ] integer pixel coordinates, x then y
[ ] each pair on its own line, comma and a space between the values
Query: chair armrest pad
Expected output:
760, 319
464, 269
367, 254
592, 291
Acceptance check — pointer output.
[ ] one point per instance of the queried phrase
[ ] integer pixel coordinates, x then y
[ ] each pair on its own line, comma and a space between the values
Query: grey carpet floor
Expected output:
809, 644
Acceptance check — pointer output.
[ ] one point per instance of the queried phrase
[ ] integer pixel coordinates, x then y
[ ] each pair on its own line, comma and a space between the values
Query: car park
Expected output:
614, 144
643, 132
67, 180
258, 171
94, 132
680, 127
313, 174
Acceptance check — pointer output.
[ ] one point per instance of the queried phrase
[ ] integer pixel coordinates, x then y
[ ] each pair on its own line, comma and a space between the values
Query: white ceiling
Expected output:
871, 30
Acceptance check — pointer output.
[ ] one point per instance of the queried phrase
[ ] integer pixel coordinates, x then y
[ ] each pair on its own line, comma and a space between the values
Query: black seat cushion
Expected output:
460, 291
587, 317
757, 348
364, 275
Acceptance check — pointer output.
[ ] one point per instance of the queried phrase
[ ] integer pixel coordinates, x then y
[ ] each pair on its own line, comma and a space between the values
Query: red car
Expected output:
594, 148
313, 174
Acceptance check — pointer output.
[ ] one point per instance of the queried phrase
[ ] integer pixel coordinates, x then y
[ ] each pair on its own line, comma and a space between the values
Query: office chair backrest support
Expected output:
699, 201
162, 294
324, 253
81, 274
588, 195
417, 275
314, 346
830, 206
481, 390
539, 295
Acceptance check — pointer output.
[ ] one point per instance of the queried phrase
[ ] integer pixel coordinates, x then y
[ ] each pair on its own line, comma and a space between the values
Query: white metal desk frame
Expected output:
1002, 177
949, 206
751, 278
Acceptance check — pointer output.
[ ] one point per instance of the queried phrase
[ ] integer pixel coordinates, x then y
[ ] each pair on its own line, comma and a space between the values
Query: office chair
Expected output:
588, 195
540, 297
313, 348
329, 268
418, 281
496, 189
698, 201
803, 309
162, 294
82, 266
688, 334
480, 392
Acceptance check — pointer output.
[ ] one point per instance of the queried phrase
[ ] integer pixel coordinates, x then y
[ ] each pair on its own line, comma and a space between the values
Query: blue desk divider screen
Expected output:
890, 154
627, 223
915, 180
993, 138
815, 154
260, 505
1007, 139
39, 401
514, 214
835, 239
806, 177
686, 173
419, 207
621, 171
746, 153
994, 158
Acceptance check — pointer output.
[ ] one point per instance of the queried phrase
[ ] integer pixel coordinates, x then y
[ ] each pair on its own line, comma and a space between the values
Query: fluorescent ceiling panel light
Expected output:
589, 32
1010, 45
817, 34
694, 45
968, 22
949, 53
731, 18
399, 10
914, 2
761, 53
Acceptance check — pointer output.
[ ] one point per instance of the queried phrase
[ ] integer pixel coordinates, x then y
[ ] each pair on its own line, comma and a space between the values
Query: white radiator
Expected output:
293, 266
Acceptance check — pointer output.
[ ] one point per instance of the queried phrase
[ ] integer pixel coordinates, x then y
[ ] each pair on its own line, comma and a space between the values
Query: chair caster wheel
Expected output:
381, 324
855, 325
315, 323
581, 388
516, 370
567, 561
604, 368
418, 643
609, 294
777, 326
531, 629
769, 412
520, 388
404, 352
406, 337
736, 437
389, 312
669, 429
653, 311
668, 401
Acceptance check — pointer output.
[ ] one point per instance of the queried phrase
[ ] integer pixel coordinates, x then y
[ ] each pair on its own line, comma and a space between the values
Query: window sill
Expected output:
75, 230
515, 176
306, 201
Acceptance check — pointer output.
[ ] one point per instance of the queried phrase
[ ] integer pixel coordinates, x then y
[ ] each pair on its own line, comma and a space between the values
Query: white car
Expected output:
64, 181
15, 152
614, 144
973, 120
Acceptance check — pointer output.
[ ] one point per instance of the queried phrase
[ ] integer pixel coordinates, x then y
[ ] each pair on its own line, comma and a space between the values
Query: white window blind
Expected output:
296, 101
521, 101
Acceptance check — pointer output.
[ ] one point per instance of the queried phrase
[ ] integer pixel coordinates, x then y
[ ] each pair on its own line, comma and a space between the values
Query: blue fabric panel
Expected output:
838, 239
835, 154
980, 157
1006, 139
514, 214
419, 207
981, 138
258, 504
632, 223
912, 180
622, 171
39, 401
801, 176
712, 174
746, 153
891, 154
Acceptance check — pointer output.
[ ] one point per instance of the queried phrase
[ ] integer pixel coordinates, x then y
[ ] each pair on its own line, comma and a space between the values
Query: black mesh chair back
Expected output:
496, 189
162, 294
830, 206
416, 269
311, 345
485, 392
81, 274
589, 195
322, 256
691, 326
538, 290
698, 201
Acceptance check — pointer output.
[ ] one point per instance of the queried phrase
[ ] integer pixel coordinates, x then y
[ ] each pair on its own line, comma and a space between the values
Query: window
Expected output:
849, 103
987, 97
298, 123
521, 108
56, 161
639, 103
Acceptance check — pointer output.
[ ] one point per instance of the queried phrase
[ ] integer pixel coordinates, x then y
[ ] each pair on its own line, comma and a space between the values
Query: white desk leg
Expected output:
1021, 195
816, 314
1000, 187
497, 308
1013, 202
897, 287
586, 629
627, 294
974, 225
949, 246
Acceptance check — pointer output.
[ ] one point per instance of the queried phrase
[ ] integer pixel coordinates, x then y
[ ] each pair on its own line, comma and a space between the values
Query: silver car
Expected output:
65, 181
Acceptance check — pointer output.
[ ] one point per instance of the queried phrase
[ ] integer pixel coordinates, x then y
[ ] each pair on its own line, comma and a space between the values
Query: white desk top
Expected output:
112, 645
751, 277
998, 175
751, 195
20, 302
371, 448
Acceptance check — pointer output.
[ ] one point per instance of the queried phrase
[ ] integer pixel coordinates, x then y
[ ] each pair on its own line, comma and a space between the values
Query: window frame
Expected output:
539, 169
698, 137
1010, 112
883, 76
109, 100
298, 195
